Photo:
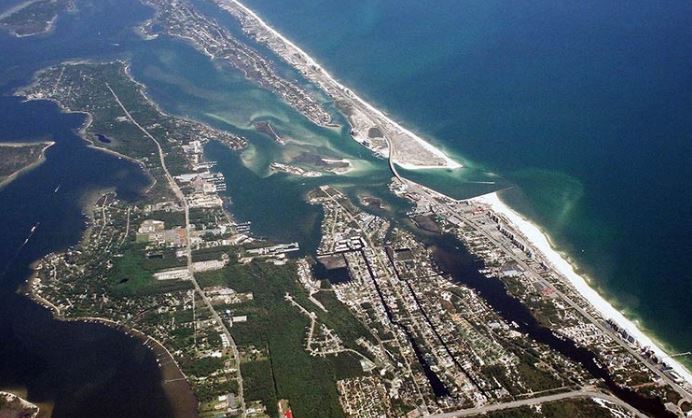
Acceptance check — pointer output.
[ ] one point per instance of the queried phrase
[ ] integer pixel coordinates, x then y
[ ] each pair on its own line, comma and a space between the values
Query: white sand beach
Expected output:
540, 241
412, 151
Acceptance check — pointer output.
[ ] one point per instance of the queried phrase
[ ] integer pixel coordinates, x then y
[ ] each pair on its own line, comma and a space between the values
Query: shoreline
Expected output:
42, 158
180, 396
16, 8
171, 372
540, 241
82, 131
168, 374
156, 347
15, 405
48, 29
535, 236
413, 167
316, 73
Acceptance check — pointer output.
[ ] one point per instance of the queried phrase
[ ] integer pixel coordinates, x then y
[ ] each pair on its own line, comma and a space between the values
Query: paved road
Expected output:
583, 393
590, 318
188, 249
686, 395
369, 242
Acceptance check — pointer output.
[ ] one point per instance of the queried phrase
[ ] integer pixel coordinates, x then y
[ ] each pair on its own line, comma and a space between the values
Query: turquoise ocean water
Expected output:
585, 108
581, 113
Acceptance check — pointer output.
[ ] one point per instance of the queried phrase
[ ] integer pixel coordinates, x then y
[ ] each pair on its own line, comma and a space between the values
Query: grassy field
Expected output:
132, 274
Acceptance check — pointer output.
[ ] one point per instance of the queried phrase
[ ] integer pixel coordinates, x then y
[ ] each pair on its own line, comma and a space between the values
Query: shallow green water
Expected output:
582, 107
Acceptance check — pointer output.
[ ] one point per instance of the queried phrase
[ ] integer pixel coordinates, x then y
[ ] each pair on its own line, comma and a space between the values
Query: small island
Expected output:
33, 17
17, 158
12, 406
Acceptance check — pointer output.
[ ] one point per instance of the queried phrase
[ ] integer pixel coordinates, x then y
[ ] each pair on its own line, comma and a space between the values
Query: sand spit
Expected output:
369, 126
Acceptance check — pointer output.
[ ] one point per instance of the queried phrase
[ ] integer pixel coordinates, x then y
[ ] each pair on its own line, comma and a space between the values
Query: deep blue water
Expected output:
77, 369
584, 106
86, 370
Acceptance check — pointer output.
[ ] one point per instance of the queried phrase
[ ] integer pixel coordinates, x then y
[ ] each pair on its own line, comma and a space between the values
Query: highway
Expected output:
589, 318
188, 250
686, 395
583, 393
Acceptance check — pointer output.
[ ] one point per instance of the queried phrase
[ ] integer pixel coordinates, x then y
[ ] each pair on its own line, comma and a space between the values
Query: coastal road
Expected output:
583, 393
603, 328
188, 249
686, 395
590, 318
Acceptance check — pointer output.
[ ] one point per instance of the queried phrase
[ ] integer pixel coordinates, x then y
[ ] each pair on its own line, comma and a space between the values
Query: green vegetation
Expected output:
90, 88
280, 329
16, 157
339, 318
111, 273
132, 273
543, 309
171, 219
204, 366
201, 216
573, 408
535, 378
33, 18
207, 391
213, 253
258, 380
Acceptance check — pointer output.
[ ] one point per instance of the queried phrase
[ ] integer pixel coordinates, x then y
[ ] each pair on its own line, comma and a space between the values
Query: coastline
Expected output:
317, 73
46, 30
506, 210
540, 240
180, 395
414, 167
82, 132
15, 405
181, 398
170, 370
174, 382
14, 9
23, 170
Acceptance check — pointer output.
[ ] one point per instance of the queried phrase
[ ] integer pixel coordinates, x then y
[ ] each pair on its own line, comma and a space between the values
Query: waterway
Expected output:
75, 369
452, 258
92, 371
82, 370
583, 107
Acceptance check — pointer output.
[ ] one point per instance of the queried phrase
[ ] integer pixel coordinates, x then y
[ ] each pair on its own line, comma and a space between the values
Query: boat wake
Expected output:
20, 248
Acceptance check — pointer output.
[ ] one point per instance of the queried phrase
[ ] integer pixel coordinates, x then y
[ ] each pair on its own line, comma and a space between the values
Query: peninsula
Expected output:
33, 17
17, 158
369, 126
181, 20
401, 152
383, 319
410, 303
12, 406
